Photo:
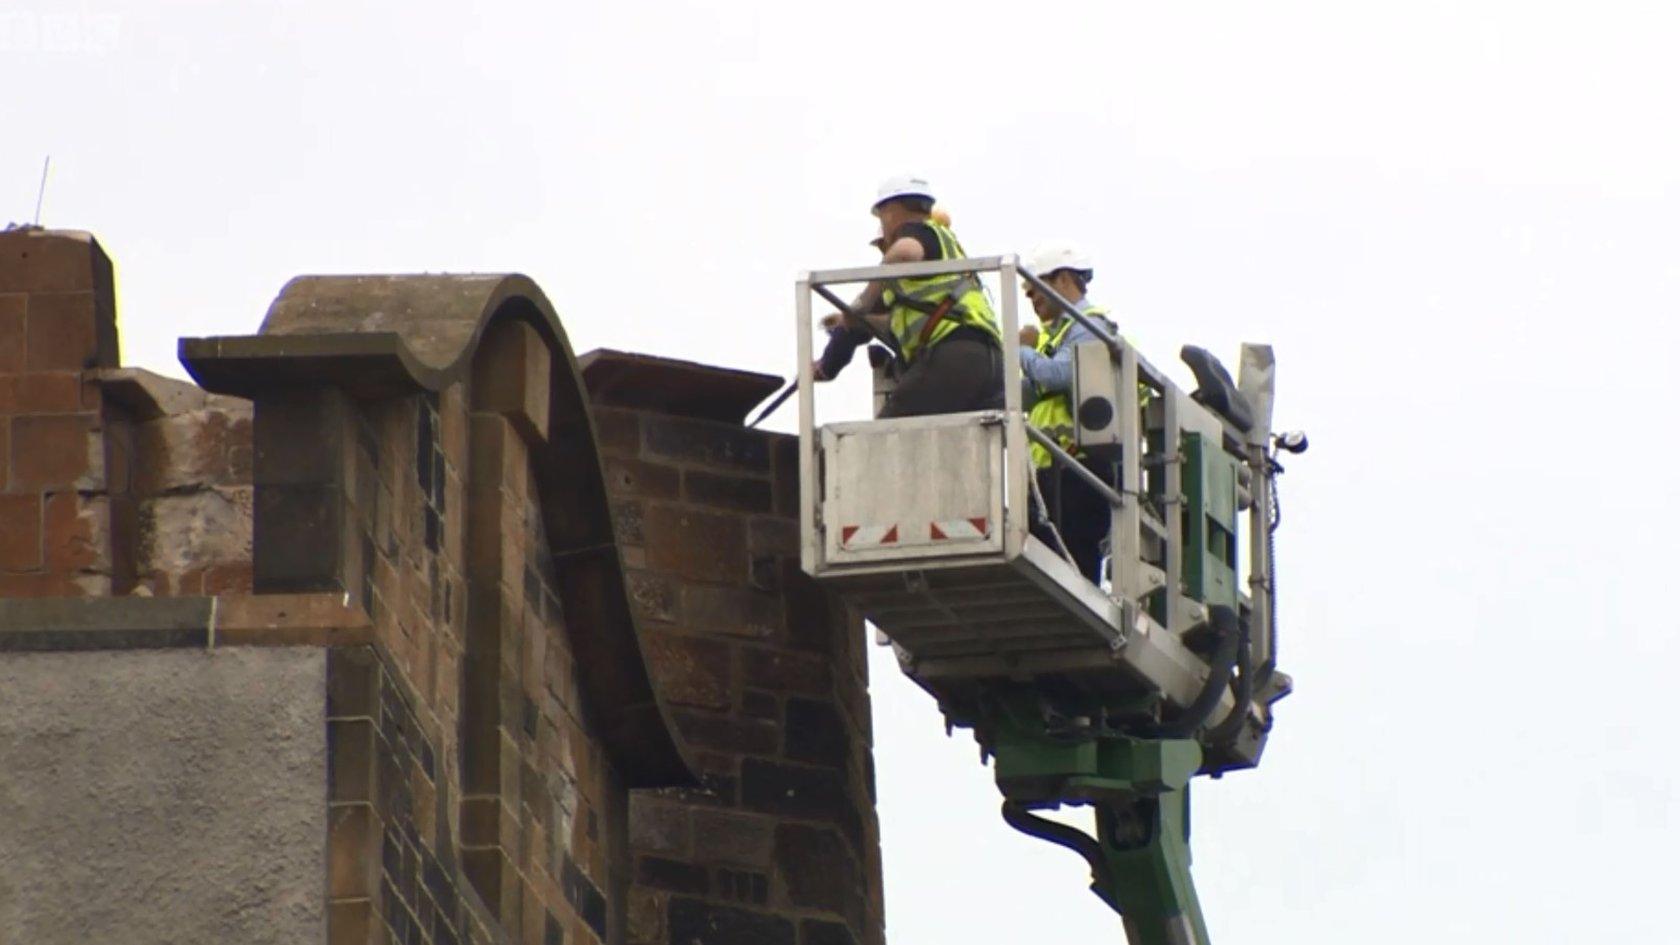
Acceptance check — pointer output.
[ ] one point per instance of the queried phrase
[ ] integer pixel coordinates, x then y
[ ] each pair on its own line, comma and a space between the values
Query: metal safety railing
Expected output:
1174, 536
1125, 541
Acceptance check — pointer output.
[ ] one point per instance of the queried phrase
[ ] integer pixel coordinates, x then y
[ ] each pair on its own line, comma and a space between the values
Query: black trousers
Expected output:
1080, 512
964, 371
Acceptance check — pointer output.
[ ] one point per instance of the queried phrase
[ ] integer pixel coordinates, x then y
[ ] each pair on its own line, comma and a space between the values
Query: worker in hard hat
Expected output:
942, 327
1080, 513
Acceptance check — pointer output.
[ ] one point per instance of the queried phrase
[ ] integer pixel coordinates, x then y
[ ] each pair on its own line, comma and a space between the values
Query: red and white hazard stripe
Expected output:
863, 537
959, 529
868, 536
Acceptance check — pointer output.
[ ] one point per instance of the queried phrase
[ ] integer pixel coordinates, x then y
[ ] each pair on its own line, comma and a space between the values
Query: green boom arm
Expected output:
1140, 857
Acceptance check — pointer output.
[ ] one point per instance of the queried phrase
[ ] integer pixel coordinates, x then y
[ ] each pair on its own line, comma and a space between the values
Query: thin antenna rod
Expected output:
42, 193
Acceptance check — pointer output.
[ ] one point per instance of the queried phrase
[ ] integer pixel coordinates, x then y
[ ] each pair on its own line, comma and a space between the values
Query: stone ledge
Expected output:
135, 623
672, 386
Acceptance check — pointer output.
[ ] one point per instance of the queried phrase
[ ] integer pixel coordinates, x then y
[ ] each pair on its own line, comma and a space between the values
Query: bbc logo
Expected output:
78, 34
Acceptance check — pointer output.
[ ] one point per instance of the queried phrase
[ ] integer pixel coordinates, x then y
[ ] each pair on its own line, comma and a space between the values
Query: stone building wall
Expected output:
576, 689
433, 509
124, 765
766, 676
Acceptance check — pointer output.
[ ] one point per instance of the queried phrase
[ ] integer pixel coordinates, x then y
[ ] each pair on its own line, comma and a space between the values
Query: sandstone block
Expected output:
629, 476
617, 430
817, 868
690, 671
352, 682
52, 261
352, 844
814, 732
658, 826
13, 305
786, 672
20, 532
76, 533
738, 493
693, 922
352, 747
512, 377
794, 791
351, 922
197, 531
62, 332
198, 448
701, 546
50, 450
726, 837
41, 392
672, 875
708, 443
723, 733
724, 608
646, 916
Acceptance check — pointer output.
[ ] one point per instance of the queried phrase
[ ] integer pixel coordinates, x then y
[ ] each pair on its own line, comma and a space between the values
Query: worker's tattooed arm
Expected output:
869, 304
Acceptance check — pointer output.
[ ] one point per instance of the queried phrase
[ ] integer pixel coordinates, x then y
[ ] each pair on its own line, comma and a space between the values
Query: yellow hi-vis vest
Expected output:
911, 302
1053, 412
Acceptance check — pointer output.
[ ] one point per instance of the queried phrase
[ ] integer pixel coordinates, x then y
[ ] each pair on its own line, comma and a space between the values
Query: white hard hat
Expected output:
904, 185
1047, 258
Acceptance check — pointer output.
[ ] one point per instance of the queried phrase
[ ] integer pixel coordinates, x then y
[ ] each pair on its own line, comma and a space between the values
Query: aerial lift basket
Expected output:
1112, 696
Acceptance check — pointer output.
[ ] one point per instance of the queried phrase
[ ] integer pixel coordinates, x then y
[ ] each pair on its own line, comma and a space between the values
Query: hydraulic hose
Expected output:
1063, 836
1243, 692
1228, 628
1264, 674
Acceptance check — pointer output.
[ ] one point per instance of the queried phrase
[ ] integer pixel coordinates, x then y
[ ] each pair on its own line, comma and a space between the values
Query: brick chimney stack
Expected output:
57, 328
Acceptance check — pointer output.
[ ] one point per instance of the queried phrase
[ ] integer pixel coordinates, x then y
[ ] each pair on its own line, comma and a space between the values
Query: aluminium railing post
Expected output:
810, 529
1172, 510
1126, 543
1260, 555
1017, 463
1061, 457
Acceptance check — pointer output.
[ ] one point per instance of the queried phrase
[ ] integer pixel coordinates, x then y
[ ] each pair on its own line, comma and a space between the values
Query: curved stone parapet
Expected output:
384, 337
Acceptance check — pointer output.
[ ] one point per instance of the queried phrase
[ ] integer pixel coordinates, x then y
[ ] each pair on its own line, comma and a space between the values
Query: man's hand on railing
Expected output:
1029, 336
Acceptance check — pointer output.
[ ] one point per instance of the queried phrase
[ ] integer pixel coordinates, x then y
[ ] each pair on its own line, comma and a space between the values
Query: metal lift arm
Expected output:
1140, 790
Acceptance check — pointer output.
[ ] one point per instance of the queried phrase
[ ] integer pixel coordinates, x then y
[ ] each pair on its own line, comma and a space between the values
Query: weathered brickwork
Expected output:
112, 481
371, 498
184, 460
57, 331
767, 679
393, 873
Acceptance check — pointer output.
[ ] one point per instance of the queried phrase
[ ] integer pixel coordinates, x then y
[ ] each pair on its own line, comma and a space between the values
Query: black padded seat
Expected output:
1214, 388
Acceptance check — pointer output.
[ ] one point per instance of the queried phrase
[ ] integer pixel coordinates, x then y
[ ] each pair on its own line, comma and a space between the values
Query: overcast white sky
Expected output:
1455, 221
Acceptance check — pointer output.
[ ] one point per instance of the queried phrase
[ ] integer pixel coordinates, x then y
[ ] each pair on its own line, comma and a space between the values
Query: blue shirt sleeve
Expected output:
1052, 375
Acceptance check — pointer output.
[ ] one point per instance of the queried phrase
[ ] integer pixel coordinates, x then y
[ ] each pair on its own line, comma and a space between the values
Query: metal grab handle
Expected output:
868, 325
1063, 457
